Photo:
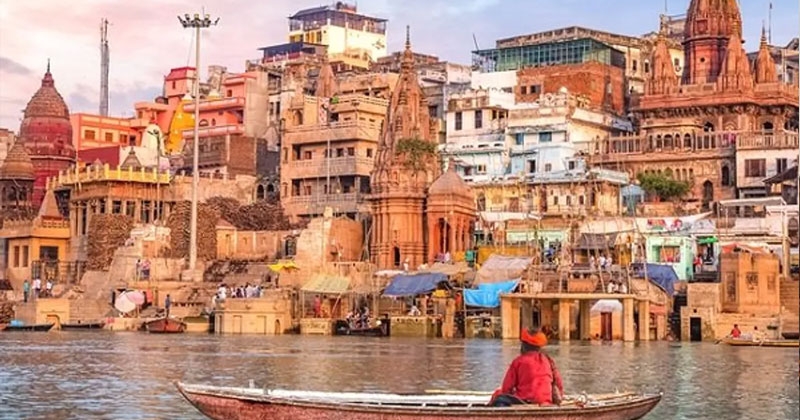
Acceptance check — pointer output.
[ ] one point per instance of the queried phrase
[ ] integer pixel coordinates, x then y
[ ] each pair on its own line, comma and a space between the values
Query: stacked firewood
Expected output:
179, 225
6, 312
107, 232
261, 215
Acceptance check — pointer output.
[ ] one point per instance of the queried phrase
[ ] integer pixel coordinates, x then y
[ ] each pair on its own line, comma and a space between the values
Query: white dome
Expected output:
152, 138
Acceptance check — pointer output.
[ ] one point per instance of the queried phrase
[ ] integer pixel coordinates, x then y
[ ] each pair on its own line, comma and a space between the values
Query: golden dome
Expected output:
18, 165
181, 121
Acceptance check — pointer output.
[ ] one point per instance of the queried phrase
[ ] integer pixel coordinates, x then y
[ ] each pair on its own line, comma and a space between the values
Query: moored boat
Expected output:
83, 326
791, 335
260, 404
342, 327
760, 343
30, 328
165, 326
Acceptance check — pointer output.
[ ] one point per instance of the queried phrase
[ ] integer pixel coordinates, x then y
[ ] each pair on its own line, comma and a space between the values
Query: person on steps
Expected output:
532, 377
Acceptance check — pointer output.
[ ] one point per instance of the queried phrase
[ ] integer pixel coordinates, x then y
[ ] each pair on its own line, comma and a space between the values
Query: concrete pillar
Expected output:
509, 314
628, 333
137, 211
661, 327
585, 317
644, 320
526, 313
563, 319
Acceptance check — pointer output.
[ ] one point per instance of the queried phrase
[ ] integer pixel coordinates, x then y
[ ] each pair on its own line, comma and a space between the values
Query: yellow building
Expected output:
181, 121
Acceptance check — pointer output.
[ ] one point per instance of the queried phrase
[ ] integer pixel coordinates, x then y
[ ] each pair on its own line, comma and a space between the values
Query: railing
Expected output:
219, 130
94, 173
208, 104
768, 140
348, 130
60, 272
678, 142
339, 166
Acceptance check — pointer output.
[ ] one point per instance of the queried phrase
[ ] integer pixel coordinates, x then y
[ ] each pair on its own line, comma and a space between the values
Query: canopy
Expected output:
663, 275
449, 269
123, 304
596, 241
413, 284
500, 268
326, 283
487, 295
707, 240
606, 305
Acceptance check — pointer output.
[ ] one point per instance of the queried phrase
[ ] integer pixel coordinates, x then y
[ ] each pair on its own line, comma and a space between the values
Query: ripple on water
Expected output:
129, 375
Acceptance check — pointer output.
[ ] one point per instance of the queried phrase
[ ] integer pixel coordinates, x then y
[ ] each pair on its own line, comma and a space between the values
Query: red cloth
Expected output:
735, 333
530, 378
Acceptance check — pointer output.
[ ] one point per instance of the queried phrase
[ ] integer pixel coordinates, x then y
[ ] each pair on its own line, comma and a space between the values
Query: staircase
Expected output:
679, 301
790, 303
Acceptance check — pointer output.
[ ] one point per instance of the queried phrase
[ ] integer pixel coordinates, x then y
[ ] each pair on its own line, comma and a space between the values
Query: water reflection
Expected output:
129, 375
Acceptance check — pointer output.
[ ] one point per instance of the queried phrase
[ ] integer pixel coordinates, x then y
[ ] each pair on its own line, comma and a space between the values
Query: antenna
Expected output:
770, 24
104, 66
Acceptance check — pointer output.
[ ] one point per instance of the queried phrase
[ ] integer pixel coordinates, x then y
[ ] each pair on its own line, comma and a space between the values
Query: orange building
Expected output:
92, 131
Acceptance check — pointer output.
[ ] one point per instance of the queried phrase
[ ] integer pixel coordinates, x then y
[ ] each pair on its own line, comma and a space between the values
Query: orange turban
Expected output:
537, 339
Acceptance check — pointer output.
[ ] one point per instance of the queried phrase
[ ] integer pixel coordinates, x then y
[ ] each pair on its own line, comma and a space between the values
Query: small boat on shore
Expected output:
29, 328
791, 335
165, 326
254, 403
744, 342
83, 326
342, 327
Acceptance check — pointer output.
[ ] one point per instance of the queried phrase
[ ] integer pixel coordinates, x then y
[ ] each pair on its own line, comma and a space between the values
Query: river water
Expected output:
102, 375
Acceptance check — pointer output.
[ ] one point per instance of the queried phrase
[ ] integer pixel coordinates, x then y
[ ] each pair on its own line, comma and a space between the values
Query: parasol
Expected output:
124, 304
606, 305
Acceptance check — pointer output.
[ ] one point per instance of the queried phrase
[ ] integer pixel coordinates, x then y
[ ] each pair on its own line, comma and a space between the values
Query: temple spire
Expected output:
48, 64
764, 70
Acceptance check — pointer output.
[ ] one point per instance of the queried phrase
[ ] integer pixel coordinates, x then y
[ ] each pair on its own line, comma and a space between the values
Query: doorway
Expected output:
695, 329
397, 256
606, 331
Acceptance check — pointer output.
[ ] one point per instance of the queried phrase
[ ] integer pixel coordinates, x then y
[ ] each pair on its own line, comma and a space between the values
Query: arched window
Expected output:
767, 127
708, 127
687, 141
726, 176
260, 192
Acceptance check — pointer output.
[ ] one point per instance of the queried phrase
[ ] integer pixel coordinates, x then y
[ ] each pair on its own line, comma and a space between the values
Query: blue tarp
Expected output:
660, 274
413, 284
487, 295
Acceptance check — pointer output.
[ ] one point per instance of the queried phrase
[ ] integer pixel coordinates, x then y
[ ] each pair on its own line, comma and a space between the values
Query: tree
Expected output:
662, 185
417, 152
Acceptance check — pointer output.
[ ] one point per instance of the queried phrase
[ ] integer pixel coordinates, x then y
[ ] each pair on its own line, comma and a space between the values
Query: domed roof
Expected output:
450, 183
46, 131
152, 137
131, 161
18, 165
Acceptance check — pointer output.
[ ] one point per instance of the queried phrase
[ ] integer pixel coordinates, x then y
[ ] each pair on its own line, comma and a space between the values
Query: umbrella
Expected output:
135, 296
123, 304
606, 305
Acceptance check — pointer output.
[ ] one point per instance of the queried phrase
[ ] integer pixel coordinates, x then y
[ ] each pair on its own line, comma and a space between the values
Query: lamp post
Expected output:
197, 22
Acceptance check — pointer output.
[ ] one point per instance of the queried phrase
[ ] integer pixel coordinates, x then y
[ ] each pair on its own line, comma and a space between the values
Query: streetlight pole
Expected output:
197, 22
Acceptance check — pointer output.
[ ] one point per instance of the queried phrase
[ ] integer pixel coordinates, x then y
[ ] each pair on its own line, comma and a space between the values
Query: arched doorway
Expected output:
444, 230
260, 192
726, 176
708, 195
396, 258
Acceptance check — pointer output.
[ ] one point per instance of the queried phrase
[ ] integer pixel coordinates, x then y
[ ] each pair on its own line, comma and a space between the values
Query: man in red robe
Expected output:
532, 377
735, 332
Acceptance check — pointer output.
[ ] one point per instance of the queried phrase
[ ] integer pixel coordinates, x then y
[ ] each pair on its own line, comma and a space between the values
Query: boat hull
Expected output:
221, 405
29, 328
165, 326
87, 326
343, 328
765, 343
791, 335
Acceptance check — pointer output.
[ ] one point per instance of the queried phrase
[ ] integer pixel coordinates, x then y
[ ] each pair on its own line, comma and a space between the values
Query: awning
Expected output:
324, 283
413, 284
283, 265
707, 240
662, 275
449, 269
487, 295
596, 241
500, 268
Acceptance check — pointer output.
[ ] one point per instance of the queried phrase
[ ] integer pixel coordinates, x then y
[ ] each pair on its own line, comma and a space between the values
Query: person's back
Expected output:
531, 378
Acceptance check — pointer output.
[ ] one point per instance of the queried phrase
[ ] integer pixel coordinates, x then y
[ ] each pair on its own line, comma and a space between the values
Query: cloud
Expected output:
146, 39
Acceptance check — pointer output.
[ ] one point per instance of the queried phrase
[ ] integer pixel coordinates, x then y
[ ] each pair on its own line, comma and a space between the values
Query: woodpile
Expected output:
107, 232
261, 215
6, 312
179, 225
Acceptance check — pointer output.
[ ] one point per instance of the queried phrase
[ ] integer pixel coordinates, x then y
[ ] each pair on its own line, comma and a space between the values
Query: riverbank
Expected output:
129, 375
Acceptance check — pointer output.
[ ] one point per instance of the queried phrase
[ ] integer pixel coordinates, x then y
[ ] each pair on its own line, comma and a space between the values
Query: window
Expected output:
433, 111
459, 121
730, 287
535, 89
548, 167
635, 66
88, 134
571, 165
25, 255
531, 166
481, 169
109, 137
16, 256
647, 66
545, 137
229, 93
668, 254
519, 139
524, 90
781, 164
569, 200
478, 118
581, 200
351, 151
752, 281
306, 189
339, 152
755, 168
555, 200
123, 139
677, 63
173, 84
307, 154
369, 153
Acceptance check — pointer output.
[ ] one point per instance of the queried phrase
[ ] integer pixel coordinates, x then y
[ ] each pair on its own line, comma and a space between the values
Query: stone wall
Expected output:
269, 315
233, 244
750, 283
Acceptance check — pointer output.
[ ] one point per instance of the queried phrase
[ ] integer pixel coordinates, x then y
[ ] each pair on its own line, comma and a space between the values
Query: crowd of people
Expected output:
33, 290
239, 292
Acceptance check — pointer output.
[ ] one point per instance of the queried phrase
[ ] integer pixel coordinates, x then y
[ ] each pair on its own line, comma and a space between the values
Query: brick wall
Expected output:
587, 79
242, 156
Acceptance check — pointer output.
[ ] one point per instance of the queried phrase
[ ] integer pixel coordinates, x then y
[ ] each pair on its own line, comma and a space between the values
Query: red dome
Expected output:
45, 129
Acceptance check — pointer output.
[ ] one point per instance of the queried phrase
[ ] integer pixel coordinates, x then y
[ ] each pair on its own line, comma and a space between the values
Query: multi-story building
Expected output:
92, 131
575, 45
330, 143
340, 28
693, 127
7, 139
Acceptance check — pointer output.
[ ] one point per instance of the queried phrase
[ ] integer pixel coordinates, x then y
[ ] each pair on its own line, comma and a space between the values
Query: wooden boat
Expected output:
791, 335
32, 327
260, 404
342, 327
763, 343
165, 326
83, 326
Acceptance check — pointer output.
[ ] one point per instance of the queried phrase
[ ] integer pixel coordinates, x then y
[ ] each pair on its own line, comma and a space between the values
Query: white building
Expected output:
342, 29
763, 154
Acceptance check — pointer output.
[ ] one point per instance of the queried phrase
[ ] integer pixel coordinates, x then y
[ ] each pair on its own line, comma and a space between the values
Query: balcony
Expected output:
665, 147
348, 130
216, 104
319, 168
361, 103
220, 130
315, 204
767, 140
